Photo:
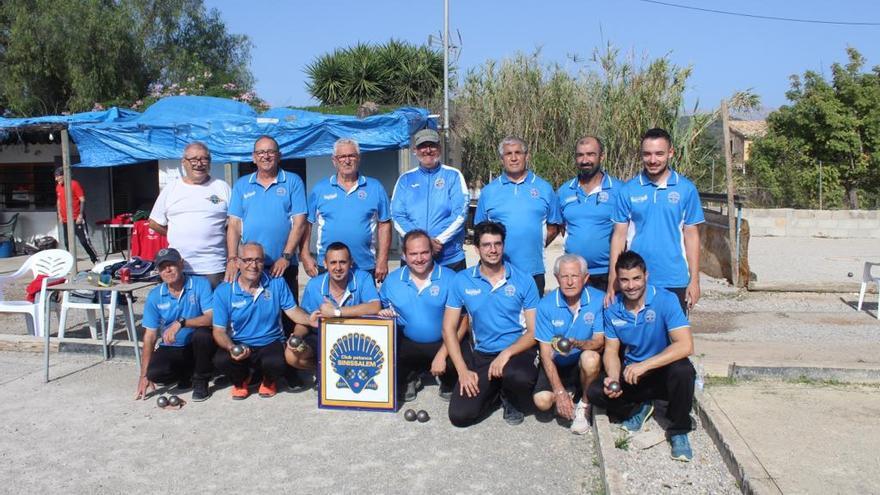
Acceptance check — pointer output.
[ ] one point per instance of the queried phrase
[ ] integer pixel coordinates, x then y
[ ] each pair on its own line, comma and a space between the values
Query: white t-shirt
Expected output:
196, 220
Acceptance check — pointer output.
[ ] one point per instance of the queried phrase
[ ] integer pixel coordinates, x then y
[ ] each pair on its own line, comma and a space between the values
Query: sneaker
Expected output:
200, 390
445, 392
581, 423
681, 447
240, 390
637, 420
412, 389
512, 415
267, 388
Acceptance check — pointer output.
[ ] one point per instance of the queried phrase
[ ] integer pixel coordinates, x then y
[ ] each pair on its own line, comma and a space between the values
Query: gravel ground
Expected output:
652, 470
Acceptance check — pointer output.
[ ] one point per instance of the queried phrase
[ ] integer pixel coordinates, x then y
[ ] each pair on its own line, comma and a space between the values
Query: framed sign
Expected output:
357, 364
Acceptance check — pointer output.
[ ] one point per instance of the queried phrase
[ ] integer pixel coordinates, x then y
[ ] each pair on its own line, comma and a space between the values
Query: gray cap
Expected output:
426, 136
167, 255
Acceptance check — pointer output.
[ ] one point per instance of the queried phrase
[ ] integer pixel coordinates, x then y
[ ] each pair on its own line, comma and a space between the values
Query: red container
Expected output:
125, 275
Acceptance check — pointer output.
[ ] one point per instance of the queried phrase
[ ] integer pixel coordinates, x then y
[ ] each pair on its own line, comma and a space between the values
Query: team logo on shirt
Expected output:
434, 290
214, 199
650, 316
589, 317
163, 306
192, 298
439, 183
509, 290
330, 196
570, 199
357, 359
362, 194
281, 191
247, 195
473, 292
557, 323
674, 197
618, 322
603, 197
639, 199
533, 192
267, 295
239, 304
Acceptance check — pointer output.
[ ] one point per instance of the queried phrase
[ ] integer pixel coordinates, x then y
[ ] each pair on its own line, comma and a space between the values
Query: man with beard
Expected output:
192, 213
647, 323
587, 203
658, 215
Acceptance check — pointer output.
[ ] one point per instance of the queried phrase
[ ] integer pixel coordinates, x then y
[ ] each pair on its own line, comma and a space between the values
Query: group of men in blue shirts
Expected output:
498, 342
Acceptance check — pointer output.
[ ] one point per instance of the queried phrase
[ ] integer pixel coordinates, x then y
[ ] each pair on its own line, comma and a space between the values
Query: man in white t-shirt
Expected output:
192, 213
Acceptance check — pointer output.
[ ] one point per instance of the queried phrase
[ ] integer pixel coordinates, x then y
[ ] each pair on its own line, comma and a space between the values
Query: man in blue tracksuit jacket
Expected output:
434, 198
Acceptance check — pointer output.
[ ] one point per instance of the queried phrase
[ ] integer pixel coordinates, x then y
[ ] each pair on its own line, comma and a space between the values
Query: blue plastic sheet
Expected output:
111, 115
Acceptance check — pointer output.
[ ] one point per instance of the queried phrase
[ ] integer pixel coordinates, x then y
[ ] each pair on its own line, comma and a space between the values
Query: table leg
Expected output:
105, 242
46, 325
111, 323
132, 330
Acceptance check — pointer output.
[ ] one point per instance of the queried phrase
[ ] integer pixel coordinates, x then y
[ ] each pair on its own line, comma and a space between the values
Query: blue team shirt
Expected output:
587, 218
646, 334
360, 290
349, 216
436, 201
497, 318
524, 208
266, 213
656, 215
162, 309
419, 311
255, 319
555, 319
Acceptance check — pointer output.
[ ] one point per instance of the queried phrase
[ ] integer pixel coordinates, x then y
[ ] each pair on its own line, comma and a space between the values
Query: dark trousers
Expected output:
268, 359
457, 266
516, 383
290, 276
416, 358
599, 282
673, 382
179, 364
681, 294
540, 282
82, 233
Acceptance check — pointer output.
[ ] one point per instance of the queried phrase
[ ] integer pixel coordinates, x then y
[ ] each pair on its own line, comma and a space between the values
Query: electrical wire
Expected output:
765, 17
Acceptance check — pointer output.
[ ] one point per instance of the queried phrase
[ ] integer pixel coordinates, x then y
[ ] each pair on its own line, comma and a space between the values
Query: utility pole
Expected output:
820, 184
445, 81
731, 221
68, 201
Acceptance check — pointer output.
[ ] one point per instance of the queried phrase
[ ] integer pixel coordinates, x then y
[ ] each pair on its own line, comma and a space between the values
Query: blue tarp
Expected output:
229, 129
111, 115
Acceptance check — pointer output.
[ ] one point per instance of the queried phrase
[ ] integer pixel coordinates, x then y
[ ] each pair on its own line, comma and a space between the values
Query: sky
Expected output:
728, 53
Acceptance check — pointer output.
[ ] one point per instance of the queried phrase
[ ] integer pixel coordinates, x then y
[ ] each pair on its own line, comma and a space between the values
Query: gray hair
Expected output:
342, 141
570, 258
198, 144
509, 140
251, 244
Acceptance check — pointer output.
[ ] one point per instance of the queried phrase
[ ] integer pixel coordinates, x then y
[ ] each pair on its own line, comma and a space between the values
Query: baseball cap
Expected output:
426, 136
59, 171
170, 255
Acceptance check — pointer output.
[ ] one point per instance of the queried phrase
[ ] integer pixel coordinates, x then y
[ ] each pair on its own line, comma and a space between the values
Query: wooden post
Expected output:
68, 200
731, 221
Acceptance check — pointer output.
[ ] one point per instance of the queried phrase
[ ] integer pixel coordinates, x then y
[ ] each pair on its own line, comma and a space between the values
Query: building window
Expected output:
27, 187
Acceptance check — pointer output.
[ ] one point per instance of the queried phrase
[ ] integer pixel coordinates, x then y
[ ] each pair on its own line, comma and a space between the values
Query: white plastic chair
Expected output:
55, 264
67, 304
866, 279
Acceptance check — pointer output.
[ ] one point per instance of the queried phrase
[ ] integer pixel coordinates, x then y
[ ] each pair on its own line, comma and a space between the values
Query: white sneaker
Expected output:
581, 423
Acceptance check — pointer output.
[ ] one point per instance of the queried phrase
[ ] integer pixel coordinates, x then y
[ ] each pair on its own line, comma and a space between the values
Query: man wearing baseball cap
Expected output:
177, 315
78, 198
432, 197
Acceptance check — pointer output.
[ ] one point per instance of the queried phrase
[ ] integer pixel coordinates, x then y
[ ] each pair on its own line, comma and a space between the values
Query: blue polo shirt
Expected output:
349, 216
646, 334
419, 311
436, 201
587, 218
555, 319
255, 319
162, 309
497, 318
524, 208
360, 289
656, 214
266, 213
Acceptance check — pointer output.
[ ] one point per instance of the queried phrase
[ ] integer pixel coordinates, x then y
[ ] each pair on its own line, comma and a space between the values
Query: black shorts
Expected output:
311, 339
570, 376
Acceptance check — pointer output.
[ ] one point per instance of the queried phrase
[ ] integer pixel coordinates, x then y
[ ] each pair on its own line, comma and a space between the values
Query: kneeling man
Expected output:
415, 295
177, 314
650, 324
341, 292
247, 312
573, 311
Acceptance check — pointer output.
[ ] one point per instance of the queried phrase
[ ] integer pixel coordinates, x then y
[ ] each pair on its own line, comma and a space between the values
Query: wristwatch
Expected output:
181, 321
287, 256
337, 312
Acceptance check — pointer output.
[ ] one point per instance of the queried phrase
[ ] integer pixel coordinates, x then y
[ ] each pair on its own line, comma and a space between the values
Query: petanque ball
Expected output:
162, 401
409, 415
563, 345
174, 401
294, 342
614, 387
849, 274
422, 416
237, 350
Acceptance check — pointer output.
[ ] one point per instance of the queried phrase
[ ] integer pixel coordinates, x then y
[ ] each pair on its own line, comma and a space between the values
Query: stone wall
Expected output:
787, 222
715, 248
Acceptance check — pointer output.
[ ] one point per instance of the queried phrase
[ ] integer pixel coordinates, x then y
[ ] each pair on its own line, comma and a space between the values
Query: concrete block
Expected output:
804, 214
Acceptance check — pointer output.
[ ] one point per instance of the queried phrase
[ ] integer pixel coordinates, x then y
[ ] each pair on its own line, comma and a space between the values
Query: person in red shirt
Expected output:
79, 200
